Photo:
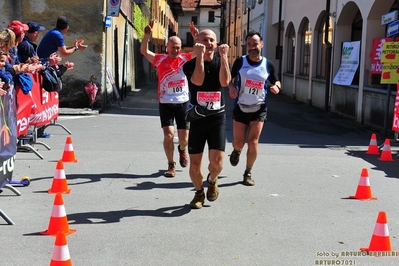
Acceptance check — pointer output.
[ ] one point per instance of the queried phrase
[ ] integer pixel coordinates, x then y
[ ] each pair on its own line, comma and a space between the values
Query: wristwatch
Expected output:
76, 48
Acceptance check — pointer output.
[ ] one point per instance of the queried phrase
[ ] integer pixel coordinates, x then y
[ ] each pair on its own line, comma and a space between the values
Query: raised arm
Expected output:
194, 32
198, 75
144, 44
224, 73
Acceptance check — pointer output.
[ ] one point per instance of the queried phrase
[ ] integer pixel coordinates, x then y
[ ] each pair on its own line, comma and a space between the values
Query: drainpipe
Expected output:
228, 36
279, 48
124, 69
328, 57
248, 18
235, 23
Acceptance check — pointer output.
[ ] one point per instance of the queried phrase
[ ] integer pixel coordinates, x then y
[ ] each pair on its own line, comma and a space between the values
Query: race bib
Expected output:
254, 87
176, 86
209, 99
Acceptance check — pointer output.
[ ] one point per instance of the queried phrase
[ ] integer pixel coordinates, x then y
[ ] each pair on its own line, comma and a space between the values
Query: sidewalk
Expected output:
139, 97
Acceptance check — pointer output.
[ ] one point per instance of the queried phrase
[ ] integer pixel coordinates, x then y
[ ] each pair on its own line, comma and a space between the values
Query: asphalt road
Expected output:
126, 213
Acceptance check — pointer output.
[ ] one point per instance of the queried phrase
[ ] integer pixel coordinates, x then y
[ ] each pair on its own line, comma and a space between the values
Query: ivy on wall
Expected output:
141, 17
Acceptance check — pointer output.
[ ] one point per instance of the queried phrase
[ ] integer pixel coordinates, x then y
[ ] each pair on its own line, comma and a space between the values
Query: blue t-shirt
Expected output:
50, 43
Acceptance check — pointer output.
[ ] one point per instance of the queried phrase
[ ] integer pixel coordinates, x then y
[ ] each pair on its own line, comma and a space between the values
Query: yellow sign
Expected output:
390, 73
390, 52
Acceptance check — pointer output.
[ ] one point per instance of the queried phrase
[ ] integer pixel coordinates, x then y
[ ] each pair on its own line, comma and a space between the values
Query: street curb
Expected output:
77, 111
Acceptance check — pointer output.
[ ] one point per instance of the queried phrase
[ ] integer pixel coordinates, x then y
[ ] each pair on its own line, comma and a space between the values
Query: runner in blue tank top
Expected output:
251, 76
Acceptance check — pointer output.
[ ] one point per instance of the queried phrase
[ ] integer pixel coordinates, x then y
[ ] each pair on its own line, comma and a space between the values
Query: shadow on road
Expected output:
116, 216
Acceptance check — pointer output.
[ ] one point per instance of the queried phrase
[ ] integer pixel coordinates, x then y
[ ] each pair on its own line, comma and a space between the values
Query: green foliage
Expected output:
140, 20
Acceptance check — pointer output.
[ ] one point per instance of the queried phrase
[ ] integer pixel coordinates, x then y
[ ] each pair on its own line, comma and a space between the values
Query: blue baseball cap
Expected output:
33, 26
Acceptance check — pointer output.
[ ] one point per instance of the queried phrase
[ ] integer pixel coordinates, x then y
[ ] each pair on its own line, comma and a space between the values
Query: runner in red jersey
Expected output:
173, 94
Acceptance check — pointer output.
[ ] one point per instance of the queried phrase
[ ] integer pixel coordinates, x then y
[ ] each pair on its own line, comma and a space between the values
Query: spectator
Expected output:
5, 74
7, 42
28, 48
53, 41
19, 30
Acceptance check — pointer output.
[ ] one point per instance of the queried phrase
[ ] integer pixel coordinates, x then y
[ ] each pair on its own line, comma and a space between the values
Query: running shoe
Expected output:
171, 170
198, 200
183, 159
213, 191
248, 181
235, 157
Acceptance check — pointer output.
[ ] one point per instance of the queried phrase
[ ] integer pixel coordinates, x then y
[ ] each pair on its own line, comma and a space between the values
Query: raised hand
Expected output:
223, 49
194, 31
199, 49
80, 45
148, 28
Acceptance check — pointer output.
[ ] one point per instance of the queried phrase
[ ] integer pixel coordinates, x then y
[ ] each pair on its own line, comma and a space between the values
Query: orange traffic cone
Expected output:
58, 219
59, 184
386, 154
373, 146
380, 240
69, 155
61, 256
363, 191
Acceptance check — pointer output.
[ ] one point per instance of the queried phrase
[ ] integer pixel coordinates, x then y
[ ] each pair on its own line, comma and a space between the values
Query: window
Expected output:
306, 40
321, 52
194, 20
211, 16
189, 40
291, 50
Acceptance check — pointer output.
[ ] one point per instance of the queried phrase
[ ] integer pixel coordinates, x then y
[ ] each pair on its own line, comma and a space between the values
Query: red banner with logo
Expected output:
37, 108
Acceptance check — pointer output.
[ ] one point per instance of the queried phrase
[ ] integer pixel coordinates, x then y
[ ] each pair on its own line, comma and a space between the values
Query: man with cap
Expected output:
19, 29
53, 41
27, 48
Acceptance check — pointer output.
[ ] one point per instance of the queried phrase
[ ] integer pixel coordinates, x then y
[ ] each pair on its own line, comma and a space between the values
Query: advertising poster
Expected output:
390, 60
349, 63
376, 64
8, 135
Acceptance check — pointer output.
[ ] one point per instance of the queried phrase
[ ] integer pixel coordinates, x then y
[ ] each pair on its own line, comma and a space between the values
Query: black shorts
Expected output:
246, 118
170, 112
211, 130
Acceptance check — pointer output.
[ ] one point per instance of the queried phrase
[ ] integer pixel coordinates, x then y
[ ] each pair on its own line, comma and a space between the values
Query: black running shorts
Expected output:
168, 113
246, 118
211, 130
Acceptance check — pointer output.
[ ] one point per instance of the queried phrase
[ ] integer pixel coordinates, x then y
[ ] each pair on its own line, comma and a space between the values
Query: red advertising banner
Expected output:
395, 123
37, 108
376, 65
